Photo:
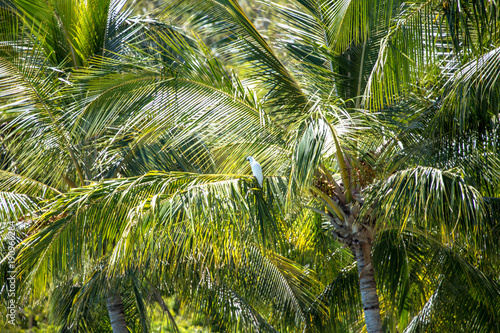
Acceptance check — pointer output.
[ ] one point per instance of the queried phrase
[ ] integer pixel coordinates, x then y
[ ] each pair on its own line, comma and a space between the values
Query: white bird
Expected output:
256, 170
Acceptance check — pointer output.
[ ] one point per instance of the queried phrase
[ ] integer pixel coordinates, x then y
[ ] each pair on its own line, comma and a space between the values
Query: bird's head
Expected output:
249, 158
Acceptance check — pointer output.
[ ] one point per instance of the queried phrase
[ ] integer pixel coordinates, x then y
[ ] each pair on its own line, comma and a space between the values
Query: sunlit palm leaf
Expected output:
428, 198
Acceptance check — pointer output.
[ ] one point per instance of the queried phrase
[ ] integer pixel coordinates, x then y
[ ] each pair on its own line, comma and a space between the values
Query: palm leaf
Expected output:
428, 198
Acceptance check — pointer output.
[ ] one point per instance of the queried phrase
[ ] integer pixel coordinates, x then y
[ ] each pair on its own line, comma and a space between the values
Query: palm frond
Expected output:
471, 95
32, 114
235, 309
14, 206
251, 51
464, 291
344, 302
428, 198
175, 113
78, 30
429, 283
401, 58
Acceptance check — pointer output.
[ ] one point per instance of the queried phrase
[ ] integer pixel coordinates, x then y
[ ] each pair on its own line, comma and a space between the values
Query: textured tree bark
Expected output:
30, 323
116, 312
368, 287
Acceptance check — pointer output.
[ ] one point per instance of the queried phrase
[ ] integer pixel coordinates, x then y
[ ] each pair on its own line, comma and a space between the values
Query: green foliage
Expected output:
122, 163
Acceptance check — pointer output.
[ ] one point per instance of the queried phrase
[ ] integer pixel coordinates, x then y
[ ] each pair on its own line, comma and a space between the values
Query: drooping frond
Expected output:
343, 300
236, 313
31, 114
471, 96
405, 53
16, 183
465, 299
108, 213
15, 206
258, 280
251, 51
428, 198
428, 283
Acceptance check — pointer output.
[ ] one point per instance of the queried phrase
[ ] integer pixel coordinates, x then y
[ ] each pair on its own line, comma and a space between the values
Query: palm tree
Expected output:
335, 173
342, 56
49, 41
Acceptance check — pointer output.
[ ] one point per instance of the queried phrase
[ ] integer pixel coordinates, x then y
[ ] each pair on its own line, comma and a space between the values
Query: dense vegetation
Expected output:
125, 190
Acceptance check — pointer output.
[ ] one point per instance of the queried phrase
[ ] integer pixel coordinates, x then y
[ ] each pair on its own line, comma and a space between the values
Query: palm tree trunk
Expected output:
116, 312
368, 287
